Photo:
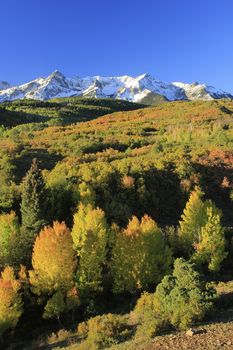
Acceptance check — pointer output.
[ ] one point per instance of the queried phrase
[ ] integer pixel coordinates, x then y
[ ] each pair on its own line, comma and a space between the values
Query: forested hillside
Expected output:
103, 200
60, 111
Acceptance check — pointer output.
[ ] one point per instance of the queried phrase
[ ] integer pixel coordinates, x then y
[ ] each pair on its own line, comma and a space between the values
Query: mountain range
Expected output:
144, 89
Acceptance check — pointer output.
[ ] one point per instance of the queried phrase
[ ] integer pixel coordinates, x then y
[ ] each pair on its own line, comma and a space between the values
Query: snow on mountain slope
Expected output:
197, 91
124, 87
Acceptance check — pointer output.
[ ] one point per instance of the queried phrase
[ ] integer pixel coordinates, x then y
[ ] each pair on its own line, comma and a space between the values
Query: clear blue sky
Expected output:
174, 40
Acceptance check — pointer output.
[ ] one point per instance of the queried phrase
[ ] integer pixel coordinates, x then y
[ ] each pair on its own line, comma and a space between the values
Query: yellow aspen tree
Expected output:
210, 249
54, 264
11, 307
140, 256
192, 219
90, 237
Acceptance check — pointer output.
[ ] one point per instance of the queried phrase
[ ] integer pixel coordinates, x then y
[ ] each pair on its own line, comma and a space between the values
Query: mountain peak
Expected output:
56, 74
145, 76
195, 83
128, 88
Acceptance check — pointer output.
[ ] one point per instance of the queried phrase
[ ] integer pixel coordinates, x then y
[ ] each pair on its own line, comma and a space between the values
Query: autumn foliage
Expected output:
131, 192
9, 239
140, 257
10, 300
53, 260
90, 236
201, 233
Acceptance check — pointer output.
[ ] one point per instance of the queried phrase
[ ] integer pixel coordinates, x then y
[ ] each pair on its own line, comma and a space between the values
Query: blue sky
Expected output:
174, 40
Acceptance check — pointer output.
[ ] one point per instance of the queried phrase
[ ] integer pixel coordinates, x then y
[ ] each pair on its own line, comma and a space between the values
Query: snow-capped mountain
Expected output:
197, 91
4, 85
135, 89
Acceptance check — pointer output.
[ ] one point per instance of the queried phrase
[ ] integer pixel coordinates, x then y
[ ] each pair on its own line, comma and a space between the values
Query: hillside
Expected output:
209, 335
129, 174
60, 111
188, 142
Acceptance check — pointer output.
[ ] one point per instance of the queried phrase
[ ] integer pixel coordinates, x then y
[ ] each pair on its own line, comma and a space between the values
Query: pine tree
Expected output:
140, 257
33, 207
182, 297
90, 236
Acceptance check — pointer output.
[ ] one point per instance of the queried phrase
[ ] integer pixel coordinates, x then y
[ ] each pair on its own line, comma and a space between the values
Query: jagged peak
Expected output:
145, 76
122, 87
56, 74
195, 83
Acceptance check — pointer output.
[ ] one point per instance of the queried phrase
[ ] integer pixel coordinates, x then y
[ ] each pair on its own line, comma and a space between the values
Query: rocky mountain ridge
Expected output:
143, 88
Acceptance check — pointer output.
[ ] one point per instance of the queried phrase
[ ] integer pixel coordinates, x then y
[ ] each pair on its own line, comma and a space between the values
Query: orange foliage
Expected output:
10, 300
128, 181
53, 259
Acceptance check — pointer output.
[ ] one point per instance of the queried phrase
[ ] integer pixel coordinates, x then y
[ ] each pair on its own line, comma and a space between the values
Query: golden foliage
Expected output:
10, 300
140, 256
53, 260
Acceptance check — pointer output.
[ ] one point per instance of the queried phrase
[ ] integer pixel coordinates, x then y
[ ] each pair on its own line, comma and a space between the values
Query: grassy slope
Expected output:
214, 334
62, 110
208, 337
200, 131
200, 126
178, 132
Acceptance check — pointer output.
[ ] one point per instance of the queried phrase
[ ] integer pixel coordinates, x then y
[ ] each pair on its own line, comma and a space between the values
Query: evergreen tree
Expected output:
179, 300
33, 207
182, 297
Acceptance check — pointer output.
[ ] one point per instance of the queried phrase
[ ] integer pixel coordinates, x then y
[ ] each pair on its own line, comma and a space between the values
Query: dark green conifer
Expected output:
33, 207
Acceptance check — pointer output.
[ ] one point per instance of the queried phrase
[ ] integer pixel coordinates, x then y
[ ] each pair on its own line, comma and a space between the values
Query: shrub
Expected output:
179, 300
61, 335
104, 331
82, 329
148, 321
